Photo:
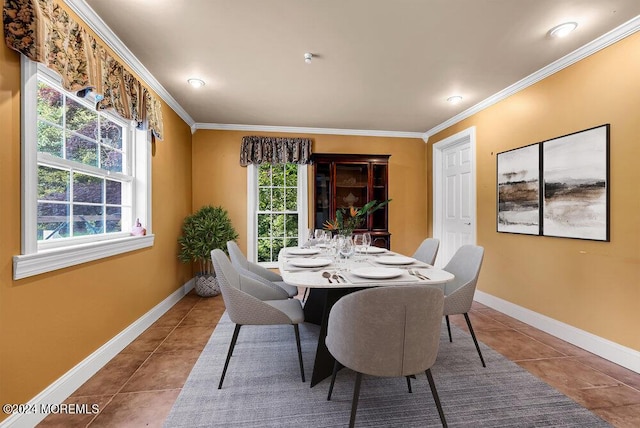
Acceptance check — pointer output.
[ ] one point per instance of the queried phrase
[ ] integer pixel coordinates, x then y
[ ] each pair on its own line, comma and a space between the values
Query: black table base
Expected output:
316, 311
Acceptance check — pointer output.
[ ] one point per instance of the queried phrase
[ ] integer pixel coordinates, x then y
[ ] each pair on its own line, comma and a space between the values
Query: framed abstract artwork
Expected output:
519, 190
575, 185
559, 187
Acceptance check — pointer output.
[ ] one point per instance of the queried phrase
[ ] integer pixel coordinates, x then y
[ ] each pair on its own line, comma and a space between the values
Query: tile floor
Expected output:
139, 386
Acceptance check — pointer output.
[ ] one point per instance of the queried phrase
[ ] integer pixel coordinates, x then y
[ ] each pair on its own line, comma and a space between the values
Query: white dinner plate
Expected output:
377, 273
371, 250
309, 263
302, 251
395, 260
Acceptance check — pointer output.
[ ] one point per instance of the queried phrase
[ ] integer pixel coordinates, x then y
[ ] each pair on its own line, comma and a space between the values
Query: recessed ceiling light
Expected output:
563, 29
307, 57
454, 99
196, 83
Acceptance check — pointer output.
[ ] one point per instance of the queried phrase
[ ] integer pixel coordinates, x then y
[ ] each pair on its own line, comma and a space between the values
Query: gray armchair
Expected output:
458, 295
386, 331
248, 303
257, 272
427, 251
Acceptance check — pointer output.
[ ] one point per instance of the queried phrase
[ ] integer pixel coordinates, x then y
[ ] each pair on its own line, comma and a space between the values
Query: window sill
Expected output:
27, 265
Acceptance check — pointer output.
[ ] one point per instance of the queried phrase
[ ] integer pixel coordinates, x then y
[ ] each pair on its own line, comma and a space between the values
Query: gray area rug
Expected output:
263, 389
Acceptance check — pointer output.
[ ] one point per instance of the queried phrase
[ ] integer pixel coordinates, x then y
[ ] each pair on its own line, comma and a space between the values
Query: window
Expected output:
85, 178
277, 210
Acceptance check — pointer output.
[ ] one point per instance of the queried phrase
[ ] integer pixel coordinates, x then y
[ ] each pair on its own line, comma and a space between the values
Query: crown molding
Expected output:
90, 18
613, 36
304, 130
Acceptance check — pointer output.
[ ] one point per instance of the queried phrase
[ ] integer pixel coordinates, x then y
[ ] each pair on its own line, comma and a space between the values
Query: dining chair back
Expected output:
386, 331
427, 251
257, 272
247, 303
465, 265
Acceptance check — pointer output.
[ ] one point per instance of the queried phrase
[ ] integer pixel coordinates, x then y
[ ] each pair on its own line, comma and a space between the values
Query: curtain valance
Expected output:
44, 32
275, 150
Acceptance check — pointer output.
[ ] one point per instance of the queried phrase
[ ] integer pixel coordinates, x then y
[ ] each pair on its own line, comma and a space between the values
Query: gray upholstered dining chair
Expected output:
427, 251
386, 331
257, 272
248, 302
458, 294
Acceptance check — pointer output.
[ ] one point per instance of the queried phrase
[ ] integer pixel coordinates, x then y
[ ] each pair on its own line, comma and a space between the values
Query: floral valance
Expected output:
275, 150
44, 32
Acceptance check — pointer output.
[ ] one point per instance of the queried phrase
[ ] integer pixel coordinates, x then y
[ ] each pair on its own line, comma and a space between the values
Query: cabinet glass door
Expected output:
352, 185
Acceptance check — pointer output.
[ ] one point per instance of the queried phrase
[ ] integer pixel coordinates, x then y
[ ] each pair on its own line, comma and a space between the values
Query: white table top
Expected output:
369, 264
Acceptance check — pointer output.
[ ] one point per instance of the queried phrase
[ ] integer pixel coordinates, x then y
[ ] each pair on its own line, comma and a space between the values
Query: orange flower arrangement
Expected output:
346, 221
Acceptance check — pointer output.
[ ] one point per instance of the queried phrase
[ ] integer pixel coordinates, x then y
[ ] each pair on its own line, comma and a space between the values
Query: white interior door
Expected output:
454, 204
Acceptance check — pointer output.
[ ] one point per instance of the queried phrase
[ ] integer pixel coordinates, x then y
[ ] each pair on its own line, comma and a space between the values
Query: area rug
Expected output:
262, 388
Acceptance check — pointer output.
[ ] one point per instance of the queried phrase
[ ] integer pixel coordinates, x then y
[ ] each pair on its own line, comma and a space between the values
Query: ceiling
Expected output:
378, 65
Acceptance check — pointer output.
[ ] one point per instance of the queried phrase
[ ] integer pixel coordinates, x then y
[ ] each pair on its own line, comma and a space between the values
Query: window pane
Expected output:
53, 221
264, 225
264, 250
50, 104
277, 175
276, 246
87, 220
264, 175
110, 134
291, 175
81, 150
291, 225
81, 119
50, 139
278, 199
53, 184
114, 192
114, 219
87, 188
110, 159
291, 242
291, 202
264, 199
277, 228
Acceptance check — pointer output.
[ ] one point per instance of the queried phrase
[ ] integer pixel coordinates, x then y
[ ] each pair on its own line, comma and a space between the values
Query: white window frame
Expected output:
37, 258
252, 211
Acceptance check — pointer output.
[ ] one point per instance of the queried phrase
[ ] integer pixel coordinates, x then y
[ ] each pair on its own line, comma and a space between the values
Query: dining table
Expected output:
330, 277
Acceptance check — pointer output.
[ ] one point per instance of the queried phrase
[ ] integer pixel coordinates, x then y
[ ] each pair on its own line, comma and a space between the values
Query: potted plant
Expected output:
206, 229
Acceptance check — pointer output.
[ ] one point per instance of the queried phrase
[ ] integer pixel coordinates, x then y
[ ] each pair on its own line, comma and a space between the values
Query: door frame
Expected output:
467, 135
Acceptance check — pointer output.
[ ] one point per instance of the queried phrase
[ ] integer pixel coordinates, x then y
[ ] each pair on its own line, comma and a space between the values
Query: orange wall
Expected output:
51, 322
220, 180
594, 286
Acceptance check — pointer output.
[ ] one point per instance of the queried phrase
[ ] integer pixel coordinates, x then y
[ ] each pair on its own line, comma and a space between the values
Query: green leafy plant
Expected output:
349, 219
206, 229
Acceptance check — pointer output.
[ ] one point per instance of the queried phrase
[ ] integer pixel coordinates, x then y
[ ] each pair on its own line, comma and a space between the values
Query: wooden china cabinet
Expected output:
345, 180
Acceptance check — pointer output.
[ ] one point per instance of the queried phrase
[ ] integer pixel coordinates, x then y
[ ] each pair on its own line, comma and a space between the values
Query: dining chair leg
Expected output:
336, 367
446, 317
306, 294
409, 384
436, 398
473, 335
296, 329
354, 402
234, 338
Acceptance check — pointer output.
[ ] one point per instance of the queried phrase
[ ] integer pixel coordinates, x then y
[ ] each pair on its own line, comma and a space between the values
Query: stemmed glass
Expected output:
367, 241
346, 249
358, 243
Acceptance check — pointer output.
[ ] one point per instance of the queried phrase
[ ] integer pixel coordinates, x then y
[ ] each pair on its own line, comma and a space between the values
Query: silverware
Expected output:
336, 277
328, 276
417, 274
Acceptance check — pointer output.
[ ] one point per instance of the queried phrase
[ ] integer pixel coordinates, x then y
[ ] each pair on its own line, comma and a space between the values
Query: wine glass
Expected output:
346, 249
358, 242
367, 241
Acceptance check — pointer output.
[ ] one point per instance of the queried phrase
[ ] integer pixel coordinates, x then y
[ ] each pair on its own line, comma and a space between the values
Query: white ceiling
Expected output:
378, 64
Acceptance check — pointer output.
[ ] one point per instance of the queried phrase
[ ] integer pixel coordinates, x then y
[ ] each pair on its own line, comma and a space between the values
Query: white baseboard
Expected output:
614, 352
62, 388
